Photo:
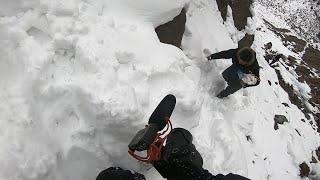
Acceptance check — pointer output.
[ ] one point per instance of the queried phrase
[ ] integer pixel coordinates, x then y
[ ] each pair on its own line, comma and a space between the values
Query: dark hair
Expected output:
247, 55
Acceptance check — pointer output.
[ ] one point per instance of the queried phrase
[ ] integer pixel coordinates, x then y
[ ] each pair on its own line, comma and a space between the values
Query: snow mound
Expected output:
79, 78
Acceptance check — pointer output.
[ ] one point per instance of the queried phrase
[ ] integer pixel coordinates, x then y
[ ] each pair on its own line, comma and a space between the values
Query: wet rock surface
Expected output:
240, 11
304, 170
172, 32
246, 41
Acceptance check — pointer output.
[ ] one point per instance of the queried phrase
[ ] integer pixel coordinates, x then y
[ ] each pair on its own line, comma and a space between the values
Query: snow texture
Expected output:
79, 78
303, 16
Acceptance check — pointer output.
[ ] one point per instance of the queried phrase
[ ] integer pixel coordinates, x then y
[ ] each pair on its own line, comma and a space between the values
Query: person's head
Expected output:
246, 56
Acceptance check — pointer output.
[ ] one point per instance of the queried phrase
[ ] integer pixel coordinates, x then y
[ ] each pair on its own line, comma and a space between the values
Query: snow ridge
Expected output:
79, 78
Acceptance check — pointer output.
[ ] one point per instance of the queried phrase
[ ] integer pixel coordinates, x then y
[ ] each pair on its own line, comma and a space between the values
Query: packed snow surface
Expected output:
79, 78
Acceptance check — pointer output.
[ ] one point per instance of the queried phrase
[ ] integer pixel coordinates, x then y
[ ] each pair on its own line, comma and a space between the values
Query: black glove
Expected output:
117, 173
209, 58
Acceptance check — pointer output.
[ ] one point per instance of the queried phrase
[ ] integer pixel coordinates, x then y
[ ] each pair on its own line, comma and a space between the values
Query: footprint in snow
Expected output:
124, 57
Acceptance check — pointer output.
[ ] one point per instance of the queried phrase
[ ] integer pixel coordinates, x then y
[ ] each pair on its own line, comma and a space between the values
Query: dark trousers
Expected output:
231, 76
180, 159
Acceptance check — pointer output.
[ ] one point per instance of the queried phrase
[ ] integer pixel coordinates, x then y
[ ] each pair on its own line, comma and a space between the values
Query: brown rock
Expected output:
240, 11
304, 170
172, 32
246, 41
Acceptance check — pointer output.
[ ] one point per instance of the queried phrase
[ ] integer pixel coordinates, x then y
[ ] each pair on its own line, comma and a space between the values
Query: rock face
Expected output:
293, 43
306, 68
302, 15
172, 32
279, 119
246, 41
240, 11
304, 170
312, 59
223, 8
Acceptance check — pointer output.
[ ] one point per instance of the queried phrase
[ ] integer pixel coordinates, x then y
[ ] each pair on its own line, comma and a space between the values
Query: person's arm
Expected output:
223, 54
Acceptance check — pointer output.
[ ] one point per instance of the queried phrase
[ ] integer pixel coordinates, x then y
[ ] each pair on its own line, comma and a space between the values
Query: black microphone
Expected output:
157, 121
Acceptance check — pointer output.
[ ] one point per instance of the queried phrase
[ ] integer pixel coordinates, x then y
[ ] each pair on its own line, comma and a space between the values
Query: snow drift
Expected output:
79, 78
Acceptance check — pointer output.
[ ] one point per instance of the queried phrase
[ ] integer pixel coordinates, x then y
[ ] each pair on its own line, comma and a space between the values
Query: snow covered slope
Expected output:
80, 77
303, 16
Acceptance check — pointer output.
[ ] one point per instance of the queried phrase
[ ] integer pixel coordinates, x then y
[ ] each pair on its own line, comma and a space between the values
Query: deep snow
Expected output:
79, 78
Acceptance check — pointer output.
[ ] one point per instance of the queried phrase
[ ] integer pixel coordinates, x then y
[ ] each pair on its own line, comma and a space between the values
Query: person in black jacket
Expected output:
244, 71
180, 160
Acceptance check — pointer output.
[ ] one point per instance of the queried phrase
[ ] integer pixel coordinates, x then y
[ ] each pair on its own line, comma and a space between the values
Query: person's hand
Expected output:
209, 58
243, 84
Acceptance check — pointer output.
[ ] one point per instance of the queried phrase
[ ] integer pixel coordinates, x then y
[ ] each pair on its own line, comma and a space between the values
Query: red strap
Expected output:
154, 151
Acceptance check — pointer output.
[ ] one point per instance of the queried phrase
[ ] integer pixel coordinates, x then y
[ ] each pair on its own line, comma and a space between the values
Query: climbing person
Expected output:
272, 56
244, 71
170, 151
